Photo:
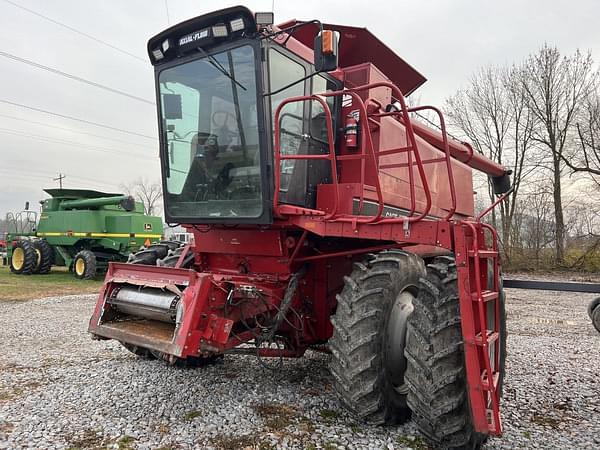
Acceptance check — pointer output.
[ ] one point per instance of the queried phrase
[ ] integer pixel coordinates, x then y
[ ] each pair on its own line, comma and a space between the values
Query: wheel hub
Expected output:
80, 267
18, 258
395, 361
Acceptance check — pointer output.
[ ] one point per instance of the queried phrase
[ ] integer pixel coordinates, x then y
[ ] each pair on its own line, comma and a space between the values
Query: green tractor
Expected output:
81, 229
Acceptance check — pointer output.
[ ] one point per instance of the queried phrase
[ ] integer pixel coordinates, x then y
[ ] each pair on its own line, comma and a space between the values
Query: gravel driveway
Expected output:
60, 389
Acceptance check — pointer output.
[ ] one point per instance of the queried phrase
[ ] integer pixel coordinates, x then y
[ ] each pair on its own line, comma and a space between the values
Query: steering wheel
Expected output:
226, 115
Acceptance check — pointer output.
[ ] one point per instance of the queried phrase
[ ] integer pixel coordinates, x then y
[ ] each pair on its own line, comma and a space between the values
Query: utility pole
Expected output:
59, 179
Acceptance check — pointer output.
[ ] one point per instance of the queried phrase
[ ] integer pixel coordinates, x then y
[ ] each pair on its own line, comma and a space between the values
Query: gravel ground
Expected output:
59, 389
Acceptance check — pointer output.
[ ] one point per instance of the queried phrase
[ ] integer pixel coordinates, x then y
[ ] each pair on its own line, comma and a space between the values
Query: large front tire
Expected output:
435, 375
24, 259
367, 345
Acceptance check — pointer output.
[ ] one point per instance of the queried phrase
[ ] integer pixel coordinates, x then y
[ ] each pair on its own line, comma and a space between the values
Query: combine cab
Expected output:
81, 229
324, 218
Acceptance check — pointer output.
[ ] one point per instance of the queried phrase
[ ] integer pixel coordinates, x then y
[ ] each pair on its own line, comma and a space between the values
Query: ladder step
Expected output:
492, 425
484, 253
486, 296
490, 337
485, 382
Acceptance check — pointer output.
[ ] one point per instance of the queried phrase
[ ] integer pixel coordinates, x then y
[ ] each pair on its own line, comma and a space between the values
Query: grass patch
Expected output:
6, 427
58, 282
191, 415
329, 414
8, 394
276, 416
248, 441
414, 442
125, 442
355, 428
541, 419
306, 425
89, 439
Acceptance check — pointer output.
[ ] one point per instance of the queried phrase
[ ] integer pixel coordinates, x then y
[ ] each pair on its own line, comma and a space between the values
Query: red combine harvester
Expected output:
324, 217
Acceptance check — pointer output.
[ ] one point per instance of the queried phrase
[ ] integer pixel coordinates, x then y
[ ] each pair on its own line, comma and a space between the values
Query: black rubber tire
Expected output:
596, 318
173, 245
592, 306
436, 366
46, 256
150, 255
171, 260
30, 257
89, 265
140, 352
359, 340
191, 362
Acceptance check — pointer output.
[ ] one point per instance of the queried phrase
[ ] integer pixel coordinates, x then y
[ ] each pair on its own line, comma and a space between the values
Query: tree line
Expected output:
541, 119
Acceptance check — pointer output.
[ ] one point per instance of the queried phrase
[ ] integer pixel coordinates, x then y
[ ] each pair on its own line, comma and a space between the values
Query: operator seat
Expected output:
203, 153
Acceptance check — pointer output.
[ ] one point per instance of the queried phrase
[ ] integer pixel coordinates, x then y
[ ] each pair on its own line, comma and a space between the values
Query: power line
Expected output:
48, 178
70, 28
72, 130
66, 142
73, 77
36, 173
32, 108
168, 16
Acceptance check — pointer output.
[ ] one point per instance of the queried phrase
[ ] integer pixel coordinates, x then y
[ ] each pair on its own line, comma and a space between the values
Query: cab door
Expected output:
303, 128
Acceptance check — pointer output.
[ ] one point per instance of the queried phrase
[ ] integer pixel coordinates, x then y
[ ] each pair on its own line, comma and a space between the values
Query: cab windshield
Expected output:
209, 118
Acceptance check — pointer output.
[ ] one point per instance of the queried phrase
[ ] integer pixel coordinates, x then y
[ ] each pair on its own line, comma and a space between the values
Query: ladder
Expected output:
478, 268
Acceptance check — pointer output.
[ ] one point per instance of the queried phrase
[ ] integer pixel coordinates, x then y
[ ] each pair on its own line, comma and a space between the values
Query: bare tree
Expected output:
586, 157
147, 192
492, 113
538, 227
556, 87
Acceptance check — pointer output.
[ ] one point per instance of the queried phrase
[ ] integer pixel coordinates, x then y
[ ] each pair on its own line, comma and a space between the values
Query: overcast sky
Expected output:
445, 40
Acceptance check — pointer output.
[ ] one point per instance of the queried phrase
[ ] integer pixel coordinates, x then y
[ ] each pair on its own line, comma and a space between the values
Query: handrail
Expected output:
331, 156
367, 151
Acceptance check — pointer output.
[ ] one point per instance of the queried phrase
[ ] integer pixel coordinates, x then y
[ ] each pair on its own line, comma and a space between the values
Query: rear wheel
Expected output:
436, 378
367, 345
24, 259
151, 254
84, 265
592, 306
595, 316
141, 352
45, 254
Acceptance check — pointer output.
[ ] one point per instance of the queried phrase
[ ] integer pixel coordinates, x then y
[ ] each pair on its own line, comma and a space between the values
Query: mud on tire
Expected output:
360, 346
435, 374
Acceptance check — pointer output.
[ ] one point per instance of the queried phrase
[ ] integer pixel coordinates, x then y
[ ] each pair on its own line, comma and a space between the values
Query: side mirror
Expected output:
172, 106
326, 51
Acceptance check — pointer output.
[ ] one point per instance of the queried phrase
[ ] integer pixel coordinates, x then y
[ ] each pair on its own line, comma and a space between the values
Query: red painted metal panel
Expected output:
240, 241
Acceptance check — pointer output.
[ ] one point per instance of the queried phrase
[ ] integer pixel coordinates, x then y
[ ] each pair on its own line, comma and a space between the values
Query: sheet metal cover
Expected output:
358, 46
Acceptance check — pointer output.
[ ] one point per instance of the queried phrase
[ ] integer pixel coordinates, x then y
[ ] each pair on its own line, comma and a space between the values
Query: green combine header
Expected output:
83, 230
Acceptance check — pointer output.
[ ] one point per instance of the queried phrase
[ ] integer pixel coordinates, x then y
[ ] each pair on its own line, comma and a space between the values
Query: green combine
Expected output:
83, 230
